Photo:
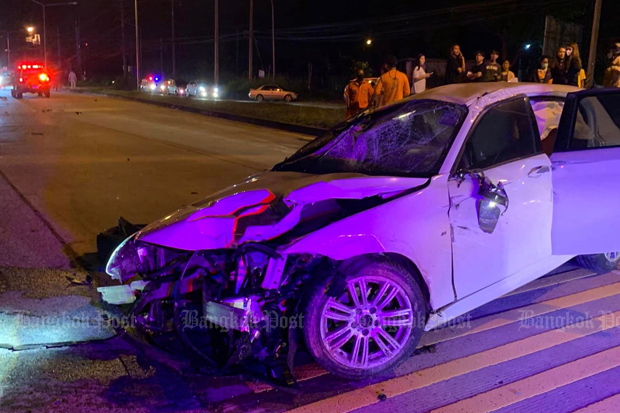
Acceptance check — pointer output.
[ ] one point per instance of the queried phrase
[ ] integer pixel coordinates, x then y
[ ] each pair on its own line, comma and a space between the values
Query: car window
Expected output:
598, 123
506, 131
410, 139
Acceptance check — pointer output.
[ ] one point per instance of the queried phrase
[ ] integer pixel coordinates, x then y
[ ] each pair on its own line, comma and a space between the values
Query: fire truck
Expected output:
30, 78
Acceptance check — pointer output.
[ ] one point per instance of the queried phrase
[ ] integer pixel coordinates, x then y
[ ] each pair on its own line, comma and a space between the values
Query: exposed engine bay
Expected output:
221, 273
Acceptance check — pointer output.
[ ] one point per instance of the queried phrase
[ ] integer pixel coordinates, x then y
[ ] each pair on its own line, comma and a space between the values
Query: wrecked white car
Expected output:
391, 224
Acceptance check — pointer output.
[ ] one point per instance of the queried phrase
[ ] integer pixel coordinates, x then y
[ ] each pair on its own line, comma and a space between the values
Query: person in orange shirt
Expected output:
393, 85
357, 95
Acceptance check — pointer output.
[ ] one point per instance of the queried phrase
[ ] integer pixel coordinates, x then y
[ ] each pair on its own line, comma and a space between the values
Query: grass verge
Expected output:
312, 116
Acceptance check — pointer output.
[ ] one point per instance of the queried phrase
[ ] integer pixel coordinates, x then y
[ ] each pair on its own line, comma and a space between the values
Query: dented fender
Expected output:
421, 234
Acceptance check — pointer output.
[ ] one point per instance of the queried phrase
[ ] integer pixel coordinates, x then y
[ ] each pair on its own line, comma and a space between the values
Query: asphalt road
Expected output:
70, 165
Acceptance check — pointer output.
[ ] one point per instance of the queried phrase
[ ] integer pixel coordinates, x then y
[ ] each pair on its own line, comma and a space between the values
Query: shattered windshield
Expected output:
407, 139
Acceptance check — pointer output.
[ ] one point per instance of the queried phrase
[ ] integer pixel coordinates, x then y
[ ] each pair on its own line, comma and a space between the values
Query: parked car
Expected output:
197, 88
177, 88
272, 92
389, 225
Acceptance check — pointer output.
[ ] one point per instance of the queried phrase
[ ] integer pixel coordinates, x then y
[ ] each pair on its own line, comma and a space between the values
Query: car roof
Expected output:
468, 93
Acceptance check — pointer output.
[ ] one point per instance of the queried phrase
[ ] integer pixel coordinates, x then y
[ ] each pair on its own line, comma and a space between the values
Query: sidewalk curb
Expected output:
288, 127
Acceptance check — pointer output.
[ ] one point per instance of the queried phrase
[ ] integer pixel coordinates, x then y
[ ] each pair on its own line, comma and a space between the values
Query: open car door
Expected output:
586, 175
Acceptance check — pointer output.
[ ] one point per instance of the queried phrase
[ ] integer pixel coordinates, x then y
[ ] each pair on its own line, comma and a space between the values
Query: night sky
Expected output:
330, 34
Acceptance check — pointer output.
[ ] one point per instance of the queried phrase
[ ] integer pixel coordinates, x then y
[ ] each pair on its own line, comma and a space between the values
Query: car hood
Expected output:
262, 207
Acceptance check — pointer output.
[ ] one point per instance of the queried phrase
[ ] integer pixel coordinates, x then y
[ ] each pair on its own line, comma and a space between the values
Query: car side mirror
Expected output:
491, 199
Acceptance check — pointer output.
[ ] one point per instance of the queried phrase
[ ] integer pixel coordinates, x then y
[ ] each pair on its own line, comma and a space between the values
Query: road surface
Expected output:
72, 164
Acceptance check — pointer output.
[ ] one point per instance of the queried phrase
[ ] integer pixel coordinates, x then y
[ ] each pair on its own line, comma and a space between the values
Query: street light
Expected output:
369, 42
43, 6
30, 29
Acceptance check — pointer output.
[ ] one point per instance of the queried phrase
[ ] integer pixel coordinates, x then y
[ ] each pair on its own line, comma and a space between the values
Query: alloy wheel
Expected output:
369, 324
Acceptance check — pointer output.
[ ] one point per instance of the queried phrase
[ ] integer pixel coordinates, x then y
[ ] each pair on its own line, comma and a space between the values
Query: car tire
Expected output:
40, 94
19, 95
365, 323
48, 94
259, 98
13, 94
599, 263
288, 98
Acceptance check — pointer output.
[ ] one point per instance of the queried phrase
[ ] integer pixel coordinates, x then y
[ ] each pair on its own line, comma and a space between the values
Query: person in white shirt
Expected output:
419, 76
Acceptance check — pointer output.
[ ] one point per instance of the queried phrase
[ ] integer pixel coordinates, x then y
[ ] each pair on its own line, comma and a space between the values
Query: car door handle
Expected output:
538, 170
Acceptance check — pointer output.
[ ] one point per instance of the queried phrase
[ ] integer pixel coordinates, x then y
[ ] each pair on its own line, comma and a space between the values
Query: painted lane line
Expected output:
367, 396
518, 314
537, 384
608, 405
312, 370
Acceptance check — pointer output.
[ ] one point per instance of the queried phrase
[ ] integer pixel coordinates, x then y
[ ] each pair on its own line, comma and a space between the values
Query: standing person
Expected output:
420, 75
493, 69
558, 71
543, 74
612, 73
455, 66
573, 65
72, 79
507, 74
478, 71
393, 85
357, 95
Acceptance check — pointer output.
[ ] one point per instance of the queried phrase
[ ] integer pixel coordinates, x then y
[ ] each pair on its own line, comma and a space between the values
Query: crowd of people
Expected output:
565, 69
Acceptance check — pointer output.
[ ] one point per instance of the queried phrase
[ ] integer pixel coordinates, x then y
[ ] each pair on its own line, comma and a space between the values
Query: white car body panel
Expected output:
421, 233
585, 186
481, 259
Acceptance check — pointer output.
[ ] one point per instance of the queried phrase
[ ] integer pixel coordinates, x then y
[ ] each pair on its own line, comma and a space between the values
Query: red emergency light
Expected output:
151, 78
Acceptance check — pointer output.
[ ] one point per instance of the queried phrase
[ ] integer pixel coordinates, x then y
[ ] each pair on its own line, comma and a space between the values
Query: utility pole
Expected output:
137, 47
273, 42
216, 68
161, 57
237, 53
78, 50
251, 41
58, 46
8, 48
44, 40
123, 49
598, 4
174, 47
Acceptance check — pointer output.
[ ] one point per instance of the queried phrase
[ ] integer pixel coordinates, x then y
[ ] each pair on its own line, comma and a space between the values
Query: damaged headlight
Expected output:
133, 257
125, 260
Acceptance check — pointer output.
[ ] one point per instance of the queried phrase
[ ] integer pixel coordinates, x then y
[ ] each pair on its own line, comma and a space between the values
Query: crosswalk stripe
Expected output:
518, 314
537, 384
608, 405
303, 373
367, 396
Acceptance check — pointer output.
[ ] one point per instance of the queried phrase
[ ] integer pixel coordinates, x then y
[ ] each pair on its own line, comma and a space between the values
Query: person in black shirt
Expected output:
573, 66
558, 71
543, 74
455, 67
493, 69
478, 71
